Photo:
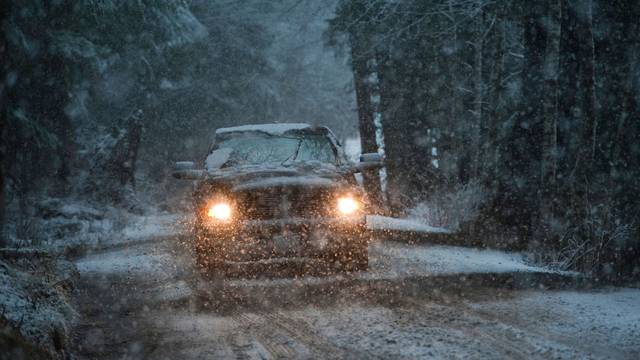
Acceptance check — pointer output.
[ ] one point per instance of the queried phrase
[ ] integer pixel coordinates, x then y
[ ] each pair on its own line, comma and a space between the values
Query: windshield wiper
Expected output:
295, 154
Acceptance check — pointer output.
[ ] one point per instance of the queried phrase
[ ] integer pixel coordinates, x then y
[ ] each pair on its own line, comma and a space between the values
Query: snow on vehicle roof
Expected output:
310, 181
273, 129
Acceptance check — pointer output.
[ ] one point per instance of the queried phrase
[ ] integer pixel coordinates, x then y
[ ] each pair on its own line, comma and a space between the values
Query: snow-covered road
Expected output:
146, 301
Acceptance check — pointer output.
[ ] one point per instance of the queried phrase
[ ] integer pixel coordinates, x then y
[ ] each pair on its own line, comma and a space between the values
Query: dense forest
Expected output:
527, 111
101, 97
515, 123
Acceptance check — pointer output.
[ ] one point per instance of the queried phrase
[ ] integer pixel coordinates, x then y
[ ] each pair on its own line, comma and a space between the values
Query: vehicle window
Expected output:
255, 149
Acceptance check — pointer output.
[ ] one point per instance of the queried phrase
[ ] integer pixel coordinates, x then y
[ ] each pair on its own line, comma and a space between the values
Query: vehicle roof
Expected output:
272, 129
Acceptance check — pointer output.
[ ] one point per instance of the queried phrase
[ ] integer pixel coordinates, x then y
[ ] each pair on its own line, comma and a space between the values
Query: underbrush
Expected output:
600, 244
452, 209
35, 312
74, 226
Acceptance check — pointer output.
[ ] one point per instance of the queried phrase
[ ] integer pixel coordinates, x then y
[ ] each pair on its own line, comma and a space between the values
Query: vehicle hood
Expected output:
252, 177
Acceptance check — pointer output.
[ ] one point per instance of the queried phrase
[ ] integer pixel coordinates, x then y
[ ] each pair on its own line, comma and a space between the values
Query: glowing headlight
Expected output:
220, 211
348, 205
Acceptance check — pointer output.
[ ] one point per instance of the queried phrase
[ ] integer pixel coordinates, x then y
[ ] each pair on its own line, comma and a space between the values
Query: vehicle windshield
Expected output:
255, 149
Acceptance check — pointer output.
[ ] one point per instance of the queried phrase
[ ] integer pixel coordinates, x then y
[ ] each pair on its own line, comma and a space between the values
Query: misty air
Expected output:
319, 179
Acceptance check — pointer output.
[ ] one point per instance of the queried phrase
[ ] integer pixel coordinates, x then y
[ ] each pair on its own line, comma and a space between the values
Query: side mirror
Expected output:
217, 158
370, 161
185, 170
184, 165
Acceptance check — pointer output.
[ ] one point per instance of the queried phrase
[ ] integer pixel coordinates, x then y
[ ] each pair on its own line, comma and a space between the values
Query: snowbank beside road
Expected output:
132, 262
116, 228
377, 222
408, 260
34, 302
62, 226
153, 225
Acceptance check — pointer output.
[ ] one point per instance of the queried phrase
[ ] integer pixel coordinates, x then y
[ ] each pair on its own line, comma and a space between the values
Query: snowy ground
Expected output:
523, 325
376, 222
63, 225
143, 299
388, 260
34, 302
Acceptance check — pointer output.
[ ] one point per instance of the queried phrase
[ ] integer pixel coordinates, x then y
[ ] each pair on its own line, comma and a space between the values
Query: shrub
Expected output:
452, 209
600, 243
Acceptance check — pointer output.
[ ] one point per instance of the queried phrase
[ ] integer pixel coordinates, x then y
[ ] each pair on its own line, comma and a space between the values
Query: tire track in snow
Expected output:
509, 319
301, 332
276, 344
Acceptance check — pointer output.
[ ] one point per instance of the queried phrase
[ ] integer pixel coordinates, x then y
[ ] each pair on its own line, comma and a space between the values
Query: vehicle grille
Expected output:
284, 202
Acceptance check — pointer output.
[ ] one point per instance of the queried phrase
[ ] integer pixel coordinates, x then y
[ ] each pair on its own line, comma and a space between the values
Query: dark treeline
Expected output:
532, 103
76, 70
77, 76
515, 121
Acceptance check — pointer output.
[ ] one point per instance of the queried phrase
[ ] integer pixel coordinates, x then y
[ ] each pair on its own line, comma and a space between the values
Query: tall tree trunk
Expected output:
4, 70
524, 143
366, 122
395, 149
588, 83
550, 113
568, 87
577, 131
452, 138
490, 143
478, 95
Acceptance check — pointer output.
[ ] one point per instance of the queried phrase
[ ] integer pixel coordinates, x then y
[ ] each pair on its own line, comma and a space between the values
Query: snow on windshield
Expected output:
255, 149
272, 129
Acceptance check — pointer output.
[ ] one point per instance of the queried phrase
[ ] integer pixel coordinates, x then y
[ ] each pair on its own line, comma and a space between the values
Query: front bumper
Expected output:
252, 240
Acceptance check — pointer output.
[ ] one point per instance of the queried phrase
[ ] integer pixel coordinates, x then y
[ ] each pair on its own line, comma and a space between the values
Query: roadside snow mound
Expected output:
34, 300
400, 260
377, 222
72, 226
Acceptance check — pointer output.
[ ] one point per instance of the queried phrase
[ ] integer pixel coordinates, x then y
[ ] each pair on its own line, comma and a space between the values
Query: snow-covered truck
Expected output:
279, 191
